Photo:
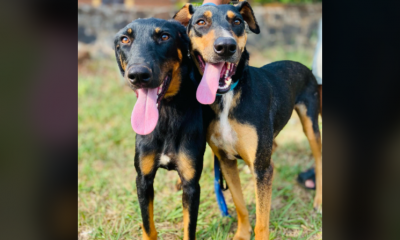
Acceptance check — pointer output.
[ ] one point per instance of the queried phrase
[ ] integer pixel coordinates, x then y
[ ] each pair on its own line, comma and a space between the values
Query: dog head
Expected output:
218, 40
149, 53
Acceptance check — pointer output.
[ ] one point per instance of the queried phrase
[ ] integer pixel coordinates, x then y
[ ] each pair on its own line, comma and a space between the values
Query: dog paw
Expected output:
318, 204
318, 208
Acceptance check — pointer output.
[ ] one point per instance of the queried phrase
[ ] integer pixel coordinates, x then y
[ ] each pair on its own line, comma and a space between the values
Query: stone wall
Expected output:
291, 26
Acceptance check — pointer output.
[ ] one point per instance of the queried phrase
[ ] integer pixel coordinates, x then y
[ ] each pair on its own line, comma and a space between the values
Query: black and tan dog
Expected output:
250, 106
152, 55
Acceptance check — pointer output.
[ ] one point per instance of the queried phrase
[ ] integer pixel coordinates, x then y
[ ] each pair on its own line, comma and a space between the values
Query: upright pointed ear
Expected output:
247, 13
185, 14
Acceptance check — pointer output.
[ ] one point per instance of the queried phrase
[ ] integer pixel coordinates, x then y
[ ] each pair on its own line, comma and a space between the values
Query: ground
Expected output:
108, 204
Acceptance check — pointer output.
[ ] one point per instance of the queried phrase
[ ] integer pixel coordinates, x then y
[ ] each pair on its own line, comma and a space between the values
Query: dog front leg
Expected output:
190, 202
263, 174
144, 183
190, 170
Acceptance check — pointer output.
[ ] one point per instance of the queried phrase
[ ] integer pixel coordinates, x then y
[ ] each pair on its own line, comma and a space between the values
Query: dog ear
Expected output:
119, 61
185, 14
247, 13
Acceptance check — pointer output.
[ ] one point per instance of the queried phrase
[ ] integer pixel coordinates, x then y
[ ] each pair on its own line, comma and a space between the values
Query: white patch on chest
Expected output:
164, 160
226, 137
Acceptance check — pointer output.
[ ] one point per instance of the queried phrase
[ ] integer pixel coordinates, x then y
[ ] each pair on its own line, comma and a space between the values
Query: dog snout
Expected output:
139, 74
225, 47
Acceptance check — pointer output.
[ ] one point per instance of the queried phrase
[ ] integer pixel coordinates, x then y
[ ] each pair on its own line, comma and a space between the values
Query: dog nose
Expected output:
225, 46
139, 74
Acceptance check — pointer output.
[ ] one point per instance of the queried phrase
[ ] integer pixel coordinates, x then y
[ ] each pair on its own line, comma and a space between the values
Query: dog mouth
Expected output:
225, 75
162, 89
145, 113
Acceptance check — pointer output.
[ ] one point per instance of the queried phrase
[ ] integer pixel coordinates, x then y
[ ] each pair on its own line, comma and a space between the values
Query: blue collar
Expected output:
232, 87
210, 3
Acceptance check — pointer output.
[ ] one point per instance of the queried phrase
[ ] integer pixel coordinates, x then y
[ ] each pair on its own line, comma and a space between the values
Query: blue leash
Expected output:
218, 191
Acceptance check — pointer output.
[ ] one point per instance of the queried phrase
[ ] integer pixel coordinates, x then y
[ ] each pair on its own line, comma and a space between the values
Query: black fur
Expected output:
180, 126
268, 96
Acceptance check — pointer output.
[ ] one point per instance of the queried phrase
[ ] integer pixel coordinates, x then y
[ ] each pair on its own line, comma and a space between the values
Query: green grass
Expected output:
108, 205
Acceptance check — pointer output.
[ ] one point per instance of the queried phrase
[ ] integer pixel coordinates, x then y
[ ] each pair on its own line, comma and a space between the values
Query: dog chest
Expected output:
222, 134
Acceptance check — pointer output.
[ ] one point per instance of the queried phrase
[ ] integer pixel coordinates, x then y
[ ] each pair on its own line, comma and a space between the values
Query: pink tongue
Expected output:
145, 113
209, 83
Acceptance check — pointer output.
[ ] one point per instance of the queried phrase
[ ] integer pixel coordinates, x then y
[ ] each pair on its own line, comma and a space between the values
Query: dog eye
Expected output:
201, 22
125, 40
237, 22
165, 37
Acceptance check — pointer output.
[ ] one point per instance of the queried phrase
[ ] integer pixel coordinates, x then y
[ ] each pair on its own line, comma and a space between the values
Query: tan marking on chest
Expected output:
229, 135
247, 142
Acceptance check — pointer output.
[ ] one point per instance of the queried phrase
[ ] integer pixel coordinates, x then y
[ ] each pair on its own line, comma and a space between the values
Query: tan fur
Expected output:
263, 205
129, 30
208, 14
247, 16
316, 148
241, 41
204, 45
147, 163
231, 174
179, 55
245, 146
123, 64
186, 221
185, 166
153, 231
175, 83
231, 14
183, 16
247, 141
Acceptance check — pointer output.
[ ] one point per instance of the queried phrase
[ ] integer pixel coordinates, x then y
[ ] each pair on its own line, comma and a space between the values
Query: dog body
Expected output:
248, 106
153, 56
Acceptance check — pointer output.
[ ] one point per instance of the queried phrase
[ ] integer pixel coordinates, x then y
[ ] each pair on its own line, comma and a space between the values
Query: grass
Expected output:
108, 205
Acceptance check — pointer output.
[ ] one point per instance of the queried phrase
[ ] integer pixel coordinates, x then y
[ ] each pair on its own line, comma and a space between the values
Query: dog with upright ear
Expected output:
248, 15
185, 14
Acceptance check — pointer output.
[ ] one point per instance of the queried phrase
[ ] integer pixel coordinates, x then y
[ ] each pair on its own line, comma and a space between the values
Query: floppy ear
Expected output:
185, 14
247, 13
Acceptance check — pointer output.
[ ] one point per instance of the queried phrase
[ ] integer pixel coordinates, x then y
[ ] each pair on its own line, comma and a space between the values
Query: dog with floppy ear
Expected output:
249, 106
152, 55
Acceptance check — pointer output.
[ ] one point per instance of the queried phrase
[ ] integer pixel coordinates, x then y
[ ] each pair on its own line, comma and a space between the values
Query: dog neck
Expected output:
186, 96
